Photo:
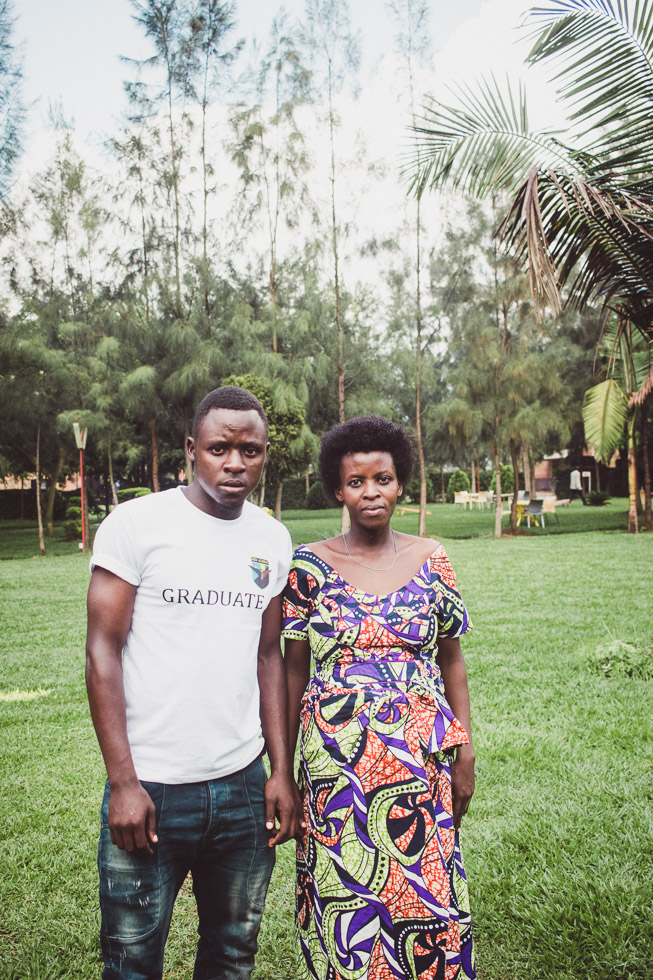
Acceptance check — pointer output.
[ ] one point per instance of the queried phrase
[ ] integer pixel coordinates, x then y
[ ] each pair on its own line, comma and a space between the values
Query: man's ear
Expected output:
190, 448
338, 495
400, 490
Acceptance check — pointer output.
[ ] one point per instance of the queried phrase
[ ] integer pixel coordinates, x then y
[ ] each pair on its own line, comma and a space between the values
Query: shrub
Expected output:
130, 492
507, 479
318, 498
458, 481
72, 530
72, 510
597, 498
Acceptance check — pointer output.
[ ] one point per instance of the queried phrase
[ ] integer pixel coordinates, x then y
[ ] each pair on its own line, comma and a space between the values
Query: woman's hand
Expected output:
462, 782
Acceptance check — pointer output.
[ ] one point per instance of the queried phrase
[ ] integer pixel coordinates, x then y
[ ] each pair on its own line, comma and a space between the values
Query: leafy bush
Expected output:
72, 530
130, 492
72, 510
318, 498
458, 481
507, 479
597, 498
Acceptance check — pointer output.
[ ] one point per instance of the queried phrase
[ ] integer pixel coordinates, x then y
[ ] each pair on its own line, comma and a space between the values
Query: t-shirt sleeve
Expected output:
453, 618
297, 600
115, 547
283, 565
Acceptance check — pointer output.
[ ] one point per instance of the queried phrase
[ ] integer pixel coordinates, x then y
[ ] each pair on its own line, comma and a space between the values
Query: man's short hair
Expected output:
238, 399
367, 434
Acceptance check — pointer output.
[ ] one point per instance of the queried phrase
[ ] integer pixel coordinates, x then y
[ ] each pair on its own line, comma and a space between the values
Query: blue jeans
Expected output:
216, 830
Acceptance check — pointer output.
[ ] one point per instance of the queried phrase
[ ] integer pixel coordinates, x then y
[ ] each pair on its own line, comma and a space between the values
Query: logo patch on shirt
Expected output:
261, 572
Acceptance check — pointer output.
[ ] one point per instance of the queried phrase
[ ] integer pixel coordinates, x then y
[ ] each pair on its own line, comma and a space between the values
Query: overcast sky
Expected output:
72, 50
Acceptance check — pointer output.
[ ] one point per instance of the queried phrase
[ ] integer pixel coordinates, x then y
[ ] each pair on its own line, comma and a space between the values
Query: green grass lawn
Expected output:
19, 539
557, 841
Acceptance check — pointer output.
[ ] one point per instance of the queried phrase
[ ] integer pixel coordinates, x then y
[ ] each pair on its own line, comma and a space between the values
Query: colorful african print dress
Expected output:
381, 889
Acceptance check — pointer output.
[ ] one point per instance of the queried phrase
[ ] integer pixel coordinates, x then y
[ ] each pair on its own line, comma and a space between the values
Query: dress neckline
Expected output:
362, 592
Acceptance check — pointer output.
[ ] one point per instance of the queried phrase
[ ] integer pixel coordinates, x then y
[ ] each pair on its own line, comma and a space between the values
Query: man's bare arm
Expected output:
110, 605
280, 794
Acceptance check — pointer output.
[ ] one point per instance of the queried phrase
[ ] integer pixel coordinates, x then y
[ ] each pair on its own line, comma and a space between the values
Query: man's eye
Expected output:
217, 450
251, 451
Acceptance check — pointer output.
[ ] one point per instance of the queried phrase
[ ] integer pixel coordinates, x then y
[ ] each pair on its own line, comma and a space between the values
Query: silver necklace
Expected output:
372, 567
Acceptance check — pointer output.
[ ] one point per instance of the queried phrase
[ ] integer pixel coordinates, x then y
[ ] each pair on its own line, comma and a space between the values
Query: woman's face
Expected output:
369, 487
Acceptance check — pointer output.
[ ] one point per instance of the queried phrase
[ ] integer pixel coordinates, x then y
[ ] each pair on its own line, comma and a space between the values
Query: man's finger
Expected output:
270, 807
150, 826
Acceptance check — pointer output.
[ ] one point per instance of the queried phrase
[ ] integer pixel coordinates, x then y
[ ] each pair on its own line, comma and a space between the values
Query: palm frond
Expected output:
638, 399
605, 410
587, 232
605, 50
481, 144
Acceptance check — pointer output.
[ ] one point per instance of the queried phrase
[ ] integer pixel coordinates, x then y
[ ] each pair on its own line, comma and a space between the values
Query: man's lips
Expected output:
232, 485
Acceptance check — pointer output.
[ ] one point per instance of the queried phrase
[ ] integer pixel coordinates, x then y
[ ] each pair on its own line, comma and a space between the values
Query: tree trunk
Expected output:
421, 529
443, 489
473, 482
52, 490
308, 480
497, 476
22, 499
155, 456
647, 474
277, 502
514, 456
38, 490
526, 466
632, 478
597, 474
112, 482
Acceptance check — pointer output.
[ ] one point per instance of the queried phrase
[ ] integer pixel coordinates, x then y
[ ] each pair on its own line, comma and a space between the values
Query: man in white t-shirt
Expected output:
187, 689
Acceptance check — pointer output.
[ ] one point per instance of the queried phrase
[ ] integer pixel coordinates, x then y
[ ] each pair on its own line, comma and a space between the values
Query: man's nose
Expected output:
234, 460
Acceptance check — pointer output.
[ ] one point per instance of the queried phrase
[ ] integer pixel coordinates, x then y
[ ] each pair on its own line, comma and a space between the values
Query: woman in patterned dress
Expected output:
386, 764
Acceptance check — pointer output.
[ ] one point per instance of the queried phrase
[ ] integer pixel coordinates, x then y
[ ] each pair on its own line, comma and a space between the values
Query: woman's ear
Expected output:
338, 495
400, 490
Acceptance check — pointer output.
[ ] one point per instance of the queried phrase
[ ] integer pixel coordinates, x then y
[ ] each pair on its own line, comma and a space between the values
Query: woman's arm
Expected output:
454, 677
297, 657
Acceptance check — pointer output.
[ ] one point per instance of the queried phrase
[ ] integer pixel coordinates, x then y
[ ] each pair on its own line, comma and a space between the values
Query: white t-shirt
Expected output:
190, 660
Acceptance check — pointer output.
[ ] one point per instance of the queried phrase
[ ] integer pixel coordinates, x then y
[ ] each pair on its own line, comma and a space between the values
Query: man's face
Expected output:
228, 453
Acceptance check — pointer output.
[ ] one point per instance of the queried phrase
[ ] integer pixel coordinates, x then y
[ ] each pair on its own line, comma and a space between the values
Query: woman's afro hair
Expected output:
367, 434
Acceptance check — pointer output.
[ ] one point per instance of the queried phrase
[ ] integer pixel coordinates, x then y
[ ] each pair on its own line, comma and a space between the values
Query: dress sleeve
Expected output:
453, 618
298, 599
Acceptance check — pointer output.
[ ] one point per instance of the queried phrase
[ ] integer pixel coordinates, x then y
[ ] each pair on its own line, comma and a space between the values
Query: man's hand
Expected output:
282, 803
462, 782
132, 819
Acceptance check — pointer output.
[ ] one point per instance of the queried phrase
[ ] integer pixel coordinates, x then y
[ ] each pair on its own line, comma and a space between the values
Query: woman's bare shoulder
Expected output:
420, 548
325, 549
